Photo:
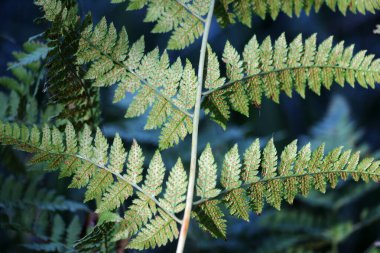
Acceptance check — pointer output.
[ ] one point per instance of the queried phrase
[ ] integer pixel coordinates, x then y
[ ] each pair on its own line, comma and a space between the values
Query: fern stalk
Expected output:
194, 143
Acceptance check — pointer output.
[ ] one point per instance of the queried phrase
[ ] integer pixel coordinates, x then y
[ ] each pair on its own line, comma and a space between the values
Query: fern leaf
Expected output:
244, 9
161, 230
135, 163
236, 200
117, 155
213, 79
251, 163
66, 79
176, 187
269, 69
206, 184
264, 179
168, 89
183, 19
238, 97
116, 194
155, 176
108, 177
211, 218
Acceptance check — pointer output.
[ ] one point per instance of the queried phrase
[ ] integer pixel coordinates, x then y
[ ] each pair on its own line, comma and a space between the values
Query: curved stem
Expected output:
194, 144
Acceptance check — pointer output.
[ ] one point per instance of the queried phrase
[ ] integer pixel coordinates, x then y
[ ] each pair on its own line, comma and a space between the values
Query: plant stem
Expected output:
194, 143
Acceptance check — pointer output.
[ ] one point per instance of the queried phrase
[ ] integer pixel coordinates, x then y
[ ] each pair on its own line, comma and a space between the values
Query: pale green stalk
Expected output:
194, 144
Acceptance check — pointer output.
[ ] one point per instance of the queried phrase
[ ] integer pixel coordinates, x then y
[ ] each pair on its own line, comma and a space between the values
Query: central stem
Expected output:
194, 143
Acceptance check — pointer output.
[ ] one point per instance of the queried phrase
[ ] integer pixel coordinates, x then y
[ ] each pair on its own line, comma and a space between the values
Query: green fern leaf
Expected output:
151, 77
211, 218
206, 183
176, 187
109, 178
244, 9
161, 230
183, 19
264, 179
269, 69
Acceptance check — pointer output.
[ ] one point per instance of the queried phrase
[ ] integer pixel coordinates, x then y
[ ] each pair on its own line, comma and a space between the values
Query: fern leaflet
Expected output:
168, 89
266, 70
262, 178
107, 181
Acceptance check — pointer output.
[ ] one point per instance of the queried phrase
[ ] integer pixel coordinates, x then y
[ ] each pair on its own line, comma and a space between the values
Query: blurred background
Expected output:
344, 220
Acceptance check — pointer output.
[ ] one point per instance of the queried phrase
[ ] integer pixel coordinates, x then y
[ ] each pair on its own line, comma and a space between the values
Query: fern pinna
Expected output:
146, 205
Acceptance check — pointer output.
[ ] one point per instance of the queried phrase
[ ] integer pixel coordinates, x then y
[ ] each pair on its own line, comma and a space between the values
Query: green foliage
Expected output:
65, 79
60, 239
141, 205
17, 194
243, 187
19, 101
228, 11
169, 90
299, 171
27, 207
182, 18
97, 240
267, 70
88, 161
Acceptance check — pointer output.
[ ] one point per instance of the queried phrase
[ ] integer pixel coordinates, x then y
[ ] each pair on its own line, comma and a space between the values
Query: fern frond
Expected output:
18, 194
109, 178
65, 78
262, 178
34, 53
183, 19
26, 207
161, 230
267, 69
61, 238
27, 71
228, 11
168, 89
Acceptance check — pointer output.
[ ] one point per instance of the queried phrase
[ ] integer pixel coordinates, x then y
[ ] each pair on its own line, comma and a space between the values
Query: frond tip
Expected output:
261, 179
271, 68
